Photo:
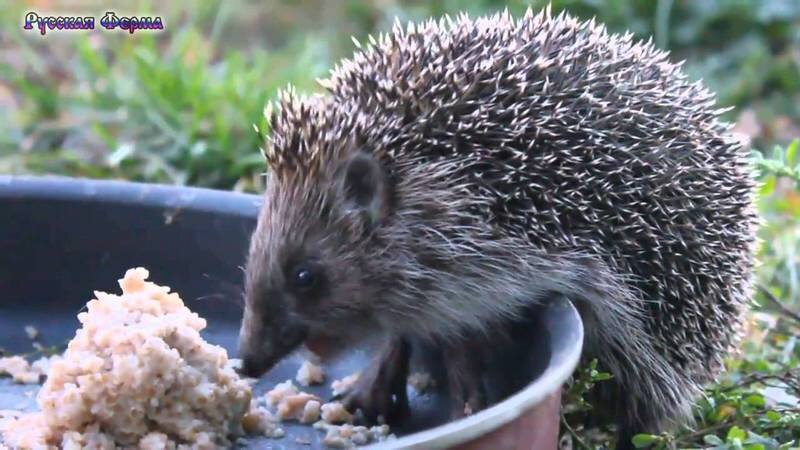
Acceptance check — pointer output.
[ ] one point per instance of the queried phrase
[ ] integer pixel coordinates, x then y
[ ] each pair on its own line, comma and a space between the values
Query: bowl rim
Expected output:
156, 195
482, 423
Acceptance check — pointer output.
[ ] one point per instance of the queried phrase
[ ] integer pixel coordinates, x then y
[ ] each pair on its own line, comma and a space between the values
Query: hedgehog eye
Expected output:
304, 277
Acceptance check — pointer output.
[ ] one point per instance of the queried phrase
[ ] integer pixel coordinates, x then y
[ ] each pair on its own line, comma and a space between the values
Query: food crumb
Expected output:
260, 421
333, 440
342, 385
347, 435
310, 373
292, 407
19, 370
380, 431
467, 409
335, 412
311, 412
421, 381
280, 391
32, 332
303, 441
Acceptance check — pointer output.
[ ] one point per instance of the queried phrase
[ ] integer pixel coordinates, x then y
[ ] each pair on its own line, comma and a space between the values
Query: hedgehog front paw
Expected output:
380, 391
465, 380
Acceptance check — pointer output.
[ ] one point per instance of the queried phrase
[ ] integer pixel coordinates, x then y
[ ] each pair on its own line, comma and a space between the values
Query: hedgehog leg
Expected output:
380, 390
465, 379
625, 436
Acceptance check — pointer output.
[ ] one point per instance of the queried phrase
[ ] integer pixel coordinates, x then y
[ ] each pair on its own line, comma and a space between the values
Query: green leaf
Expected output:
644, 440
762, 365
768, 187
736, 433
713, 440
791, 152
755, 400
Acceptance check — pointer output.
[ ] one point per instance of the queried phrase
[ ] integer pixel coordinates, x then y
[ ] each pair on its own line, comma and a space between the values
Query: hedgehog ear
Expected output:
365, 187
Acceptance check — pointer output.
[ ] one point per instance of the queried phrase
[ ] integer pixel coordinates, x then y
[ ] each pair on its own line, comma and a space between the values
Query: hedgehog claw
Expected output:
467, 394
381, 389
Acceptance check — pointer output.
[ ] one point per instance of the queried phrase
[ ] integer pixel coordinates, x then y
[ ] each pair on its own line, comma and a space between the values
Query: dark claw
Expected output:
465, 379
381, 388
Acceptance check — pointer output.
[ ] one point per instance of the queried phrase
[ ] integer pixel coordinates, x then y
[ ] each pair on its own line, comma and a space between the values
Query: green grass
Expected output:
179, 107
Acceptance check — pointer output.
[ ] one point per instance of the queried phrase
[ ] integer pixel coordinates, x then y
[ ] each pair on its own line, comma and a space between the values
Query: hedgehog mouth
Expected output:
324, 345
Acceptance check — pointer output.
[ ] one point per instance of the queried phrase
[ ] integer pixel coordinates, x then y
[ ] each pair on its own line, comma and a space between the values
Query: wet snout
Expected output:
262, 345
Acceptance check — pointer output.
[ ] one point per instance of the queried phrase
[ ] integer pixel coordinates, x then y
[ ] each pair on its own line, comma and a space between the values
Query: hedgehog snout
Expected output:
263, 341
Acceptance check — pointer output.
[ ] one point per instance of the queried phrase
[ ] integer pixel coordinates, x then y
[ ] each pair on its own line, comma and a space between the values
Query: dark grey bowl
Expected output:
62, 238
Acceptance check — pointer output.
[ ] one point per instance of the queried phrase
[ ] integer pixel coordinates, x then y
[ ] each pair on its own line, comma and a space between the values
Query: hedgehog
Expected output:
455, 172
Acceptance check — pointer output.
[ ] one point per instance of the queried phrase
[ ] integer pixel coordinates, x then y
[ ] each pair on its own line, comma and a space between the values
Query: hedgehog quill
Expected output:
457, 172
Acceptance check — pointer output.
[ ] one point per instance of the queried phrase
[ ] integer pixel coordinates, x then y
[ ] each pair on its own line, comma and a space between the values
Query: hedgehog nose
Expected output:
253, 366
255, 348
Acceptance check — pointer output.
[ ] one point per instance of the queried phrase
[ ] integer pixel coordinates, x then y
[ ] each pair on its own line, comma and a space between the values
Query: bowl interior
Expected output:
62, 239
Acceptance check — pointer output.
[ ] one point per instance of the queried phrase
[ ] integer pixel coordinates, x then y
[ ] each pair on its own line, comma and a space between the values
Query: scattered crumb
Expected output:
32, 332
309, 374
335, 412
333, 440
260, 421
292, 404
19, 370
347, 435
381, 431
292, 407
280, 391
342, 385
421, 381
303, 441
467, 409
311, 412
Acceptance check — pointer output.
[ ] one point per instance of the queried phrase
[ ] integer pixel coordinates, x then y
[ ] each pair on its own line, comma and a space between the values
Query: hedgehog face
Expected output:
307, 276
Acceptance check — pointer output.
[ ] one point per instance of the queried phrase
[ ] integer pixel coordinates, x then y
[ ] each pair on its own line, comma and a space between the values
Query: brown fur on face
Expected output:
319, 225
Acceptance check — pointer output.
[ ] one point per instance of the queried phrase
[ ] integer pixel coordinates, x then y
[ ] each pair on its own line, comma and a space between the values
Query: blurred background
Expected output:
178, 106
